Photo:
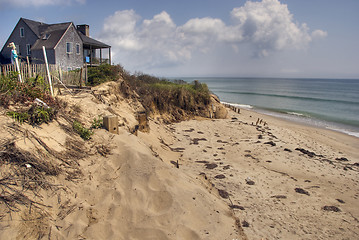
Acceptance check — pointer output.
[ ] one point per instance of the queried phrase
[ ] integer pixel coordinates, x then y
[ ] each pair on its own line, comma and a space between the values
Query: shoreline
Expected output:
302, 120
325, 134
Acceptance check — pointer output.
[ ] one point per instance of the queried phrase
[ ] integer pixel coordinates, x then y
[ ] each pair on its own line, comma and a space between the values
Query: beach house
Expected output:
67, 45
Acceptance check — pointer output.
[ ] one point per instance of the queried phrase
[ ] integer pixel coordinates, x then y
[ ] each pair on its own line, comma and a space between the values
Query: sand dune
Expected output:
198, 179
111, 187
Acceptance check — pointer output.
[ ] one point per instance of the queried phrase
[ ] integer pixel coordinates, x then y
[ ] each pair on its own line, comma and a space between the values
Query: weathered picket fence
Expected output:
68, 78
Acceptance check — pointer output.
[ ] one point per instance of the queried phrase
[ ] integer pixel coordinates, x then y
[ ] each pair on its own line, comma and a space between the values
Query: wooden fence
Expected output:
68, 78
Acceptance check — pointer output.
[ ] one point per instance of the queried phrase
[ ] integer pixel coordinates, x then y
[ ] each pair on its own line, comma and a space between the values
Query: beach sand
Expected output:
111, 187
199, 179
283, 180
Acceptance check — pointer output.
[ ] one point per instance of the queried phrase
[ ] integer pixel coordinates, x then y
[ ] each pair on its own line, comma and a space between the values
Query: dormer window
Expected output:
22, 32
46, 36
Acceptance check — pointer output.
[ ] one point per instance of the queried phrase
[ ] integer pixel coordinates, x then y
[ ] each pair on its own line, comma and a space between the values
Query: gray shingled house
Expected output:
67, 45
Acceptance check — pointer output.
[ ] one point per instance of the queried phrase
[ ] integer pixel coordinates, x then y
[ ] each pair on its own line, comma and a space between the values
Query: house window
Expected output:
77, 48
69, 47
22, 32
28, 49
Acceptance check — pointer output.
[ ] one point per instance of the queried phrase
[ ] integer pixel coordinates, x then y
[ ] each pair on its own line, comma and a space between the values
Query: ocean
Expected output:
326, 103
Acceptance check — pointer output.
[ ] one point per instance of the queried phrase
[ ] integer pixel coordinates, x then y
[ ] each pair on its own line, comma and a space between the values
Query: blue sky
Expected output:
234, 38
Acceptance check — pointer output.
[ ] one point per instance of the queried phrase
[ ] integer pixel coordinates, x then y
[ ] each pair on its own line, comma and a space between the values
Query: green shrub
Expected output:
21, 117
39, 115
8, 83
36, 115
82, 131
103, 73
97, 123
170, 96
12, 90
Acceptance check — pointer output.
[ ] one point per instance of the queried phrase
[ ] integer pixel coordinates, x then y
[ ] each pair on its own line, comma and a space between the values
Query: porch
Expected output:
95, 52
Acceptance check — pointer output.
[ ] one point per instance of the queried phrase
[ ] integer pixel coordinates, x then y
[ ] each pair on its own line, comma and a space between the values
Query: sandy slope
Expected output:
231, 153
130, 194
111, 187
235, 180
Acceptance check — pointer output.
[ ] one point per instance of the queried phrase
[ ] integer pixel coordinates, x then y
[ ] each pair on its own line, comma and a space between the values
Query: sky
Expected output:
212, 38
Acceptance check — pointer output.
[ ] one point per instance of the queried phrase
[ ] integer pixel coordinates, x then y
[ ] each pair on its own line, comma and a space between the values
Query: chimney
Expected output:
84, 28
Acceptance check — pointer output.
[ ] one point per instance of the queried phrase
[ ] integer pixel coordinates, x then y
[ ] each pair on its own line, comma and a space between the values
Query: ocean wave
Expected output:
345, 131
238, 105
297, 114
291, 97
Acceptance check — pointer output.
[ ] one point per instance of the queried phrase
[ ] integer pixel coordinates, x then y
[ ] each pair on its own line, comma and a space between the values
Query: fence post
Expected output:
48, 71
18, 69
81, 77
60, 74
86, 80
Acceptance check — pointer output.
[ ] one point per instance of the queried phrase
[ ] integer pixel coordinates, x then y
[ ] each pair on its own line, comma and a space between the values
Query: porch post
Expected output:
90, 56
100, 56
109, 55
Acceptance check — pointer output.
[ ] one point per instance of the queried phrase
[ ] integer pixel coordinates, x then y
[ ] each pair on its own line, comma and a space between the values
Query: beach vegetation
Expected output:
35, 115
169, 96
22, 97
12, 91
97, 123
21, 117
40, 114
85, 133
175, 97
103, 73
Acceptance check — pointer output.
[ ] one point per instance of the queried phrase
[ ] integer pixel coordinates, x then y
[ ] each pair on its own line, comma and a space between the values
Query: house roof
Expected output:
33, 25
50, 34
92, 42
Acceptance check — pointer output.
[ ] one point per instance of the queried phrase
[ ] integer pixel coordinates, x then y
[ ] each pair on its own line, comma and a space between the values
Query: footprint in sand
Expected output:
211, 165
220, 176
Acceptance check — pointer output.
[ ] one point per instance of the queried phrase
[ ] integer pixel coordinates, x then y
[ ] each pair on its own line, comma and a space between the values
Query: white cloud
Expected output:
120, 30
38, 3
265, 26
270, 26
209, 26
203, 33
318, 34
152, 42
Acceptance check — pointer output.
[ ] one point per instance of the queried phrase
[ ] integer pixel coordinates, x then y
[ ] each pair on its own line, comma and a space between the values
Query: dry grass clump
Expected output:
176, 99
179, 99
22, 172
